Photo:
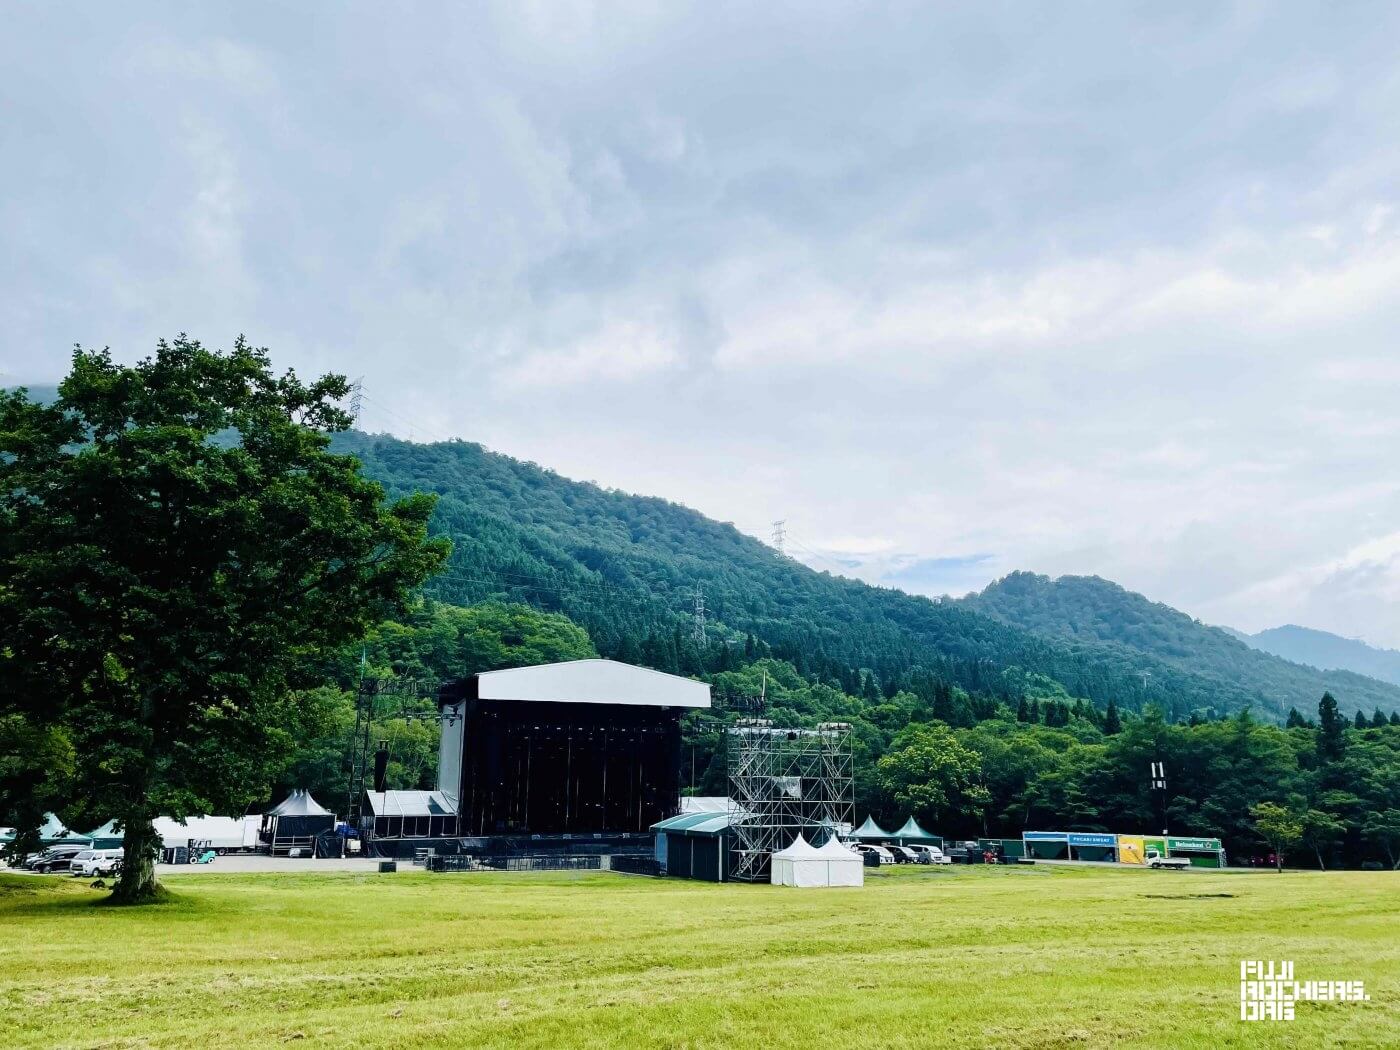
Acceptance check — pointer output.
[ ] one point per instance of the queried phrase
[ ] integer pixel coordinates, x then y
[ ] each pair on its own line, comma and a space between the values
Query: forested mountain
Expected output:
1327, 651
1091, 610
628, 569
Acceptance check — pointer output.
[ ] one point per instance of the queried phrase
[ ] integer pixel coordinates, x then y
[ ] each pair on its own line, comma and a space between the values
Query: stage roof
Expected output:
592, 682
410, 804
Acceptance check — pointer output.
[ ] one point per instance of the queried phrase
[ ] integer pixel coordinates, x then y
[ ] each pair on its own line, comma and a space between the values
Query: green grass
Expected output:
969, 957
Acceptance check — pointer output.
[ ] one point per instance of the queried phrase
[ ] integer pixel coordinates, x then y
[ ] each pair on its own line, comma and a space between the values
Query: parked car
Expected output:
903, 854
880, 853
56, 858
930, 854
94, 862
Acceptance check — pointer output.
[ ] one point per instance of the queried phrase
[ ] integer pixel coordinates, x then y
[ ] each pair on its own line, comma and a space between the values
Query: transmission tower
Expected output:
699, 633
357, 393
780, 535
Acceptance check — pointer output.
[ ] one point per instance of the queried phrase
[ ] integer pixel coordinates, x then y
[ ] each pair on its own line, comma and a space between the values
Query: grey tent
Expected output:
871, 830
294, 823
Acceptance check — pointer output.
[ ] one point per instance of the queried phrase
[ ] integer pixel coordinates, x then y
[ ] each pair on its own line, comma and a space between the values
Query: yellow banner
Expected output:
1131, 849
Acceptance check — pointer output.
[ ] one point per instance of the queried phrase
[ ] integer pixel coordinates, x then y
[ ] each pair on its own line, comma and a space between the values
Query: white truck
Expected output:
1153, 859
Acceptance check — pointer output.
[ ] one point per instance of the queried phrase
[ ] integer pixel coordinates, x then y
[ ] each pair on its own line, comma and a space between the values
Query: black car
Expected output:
57, 858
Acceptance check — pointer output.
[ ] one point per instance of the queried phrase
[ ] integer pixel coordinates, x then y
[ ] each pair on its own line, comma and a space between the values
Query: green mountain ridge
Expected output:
1091, 609
1327, 651
628, 568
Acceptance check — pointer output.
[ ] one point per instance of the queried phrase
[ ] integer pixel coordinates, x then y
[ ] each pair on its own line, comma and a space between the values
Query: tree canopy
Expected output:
180, 546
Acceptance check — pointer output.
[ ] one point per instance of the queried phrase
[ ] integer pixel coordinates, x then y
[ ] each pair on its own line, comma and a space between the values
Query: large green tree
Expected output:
178, 546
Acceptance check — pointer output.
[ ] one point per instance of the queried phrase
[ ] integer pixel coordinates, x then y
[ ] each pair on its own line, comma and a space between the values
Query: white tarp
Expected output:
803, 864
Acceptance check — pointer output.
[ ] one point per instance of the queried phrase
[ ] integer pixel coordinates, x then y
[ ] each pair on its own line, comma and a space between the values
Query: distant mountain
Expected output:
1092, 610
628, 568
1320, 649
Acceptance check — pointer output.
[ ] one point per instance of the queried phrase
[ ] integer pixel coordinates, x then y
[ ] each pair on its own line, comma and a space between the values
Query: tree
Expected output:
928, 771
1378, 719
1382, 830
1361, 722
1295, 720
1281, 829
1395, 718
1331, 740
180, 545
1323, 832
1112, 720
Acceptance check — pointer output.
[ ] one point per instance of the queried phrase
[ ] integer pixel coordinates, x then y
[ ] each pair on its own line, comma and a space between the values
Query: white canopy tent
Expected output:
844, 867
803, 864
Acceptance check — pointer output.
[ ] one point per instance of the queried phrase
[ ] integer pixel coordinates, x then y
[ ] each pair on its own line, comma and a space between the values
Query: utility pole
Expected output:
699, 633
1159, 784
780, 535
1144, 675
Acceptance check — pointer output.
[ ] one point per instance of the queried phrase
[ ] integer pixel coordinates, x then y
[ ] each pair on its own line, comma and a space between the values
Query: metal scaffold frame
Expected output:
782, 782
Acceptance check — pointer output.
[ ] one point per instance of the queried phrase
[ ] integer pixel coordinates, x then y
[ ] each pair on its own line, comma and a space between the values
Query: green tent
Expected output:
871, 830
911, 832
53, 832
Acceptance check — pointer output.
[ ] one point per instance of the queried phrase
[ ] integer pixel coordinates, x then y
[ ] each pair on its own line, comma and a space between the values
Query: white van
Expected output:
96, 862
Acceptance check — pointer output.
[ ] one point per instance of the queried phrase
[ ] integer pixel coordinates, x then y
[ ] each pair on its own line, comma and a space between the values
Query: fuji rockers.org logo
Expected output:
1268, 990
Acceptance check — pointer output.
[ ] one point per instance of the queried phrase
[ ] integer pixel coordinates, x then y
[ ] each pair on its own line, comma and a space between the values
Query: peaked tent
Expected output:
870, 830
294, 823
844, 867
798, 865
299, 804
911, 832
53, 832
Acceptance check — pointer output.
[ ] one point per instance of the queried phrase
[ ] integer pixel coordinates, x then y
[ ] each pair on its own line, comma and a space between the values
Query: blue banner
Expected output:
1043, 836
1080, 839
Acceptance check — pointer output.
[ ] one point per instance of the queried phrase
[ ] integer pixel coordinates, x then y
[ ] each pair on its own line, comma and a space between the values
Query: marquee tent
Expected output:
870, 830
844, 867
803, 864
911, 832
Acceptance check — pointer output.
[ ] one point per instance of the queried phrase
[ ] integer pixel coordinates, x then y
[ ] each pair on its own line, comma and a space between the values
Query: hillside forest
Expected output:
965, 763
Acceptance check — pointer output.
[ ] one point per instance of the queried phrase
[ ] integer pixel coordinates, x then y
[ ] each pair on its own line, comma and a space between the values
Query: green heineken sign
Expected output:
1196, 844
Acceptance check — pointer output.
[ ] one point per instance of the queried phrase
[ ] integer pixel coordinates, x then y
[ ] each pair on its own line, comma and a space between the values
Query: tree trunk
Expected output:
137, 882
1278, 861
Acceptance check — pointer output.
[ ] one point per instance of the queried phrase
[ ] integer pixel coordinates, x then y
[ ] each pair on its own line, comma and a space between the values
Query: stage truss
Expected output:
782, 782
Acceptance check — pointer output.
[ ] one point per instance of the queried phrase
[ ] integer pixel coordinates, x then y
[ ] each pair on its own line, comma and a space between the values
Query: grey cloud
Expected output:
1098, 290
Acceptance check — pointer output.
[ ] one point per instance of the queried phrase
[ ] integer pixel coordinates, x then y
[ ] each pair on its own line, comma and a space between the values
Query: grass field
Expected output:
1050, 956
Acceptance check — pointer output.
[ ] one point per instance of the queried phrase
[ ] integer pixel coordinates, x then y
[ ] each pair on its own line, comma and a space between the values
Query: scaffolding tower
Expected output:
783, 782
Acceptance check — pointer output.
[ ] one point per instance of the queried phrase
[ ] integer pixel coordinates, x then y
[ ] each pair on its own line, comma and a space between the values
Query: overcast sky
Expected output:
1071, 289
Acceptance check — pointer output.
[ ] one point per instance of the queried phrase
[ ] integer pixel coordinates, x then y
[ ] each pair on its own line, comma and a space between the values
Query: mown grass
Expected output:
969, 957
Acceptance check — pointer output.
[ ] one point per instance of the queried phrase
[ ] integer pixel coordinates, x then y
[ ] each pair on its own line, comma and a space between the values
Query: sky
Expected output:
953, 291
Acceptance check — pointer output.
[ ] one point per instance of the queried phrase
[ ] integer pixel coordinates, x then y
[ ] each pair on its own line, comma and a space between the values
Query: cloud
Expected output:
953, 292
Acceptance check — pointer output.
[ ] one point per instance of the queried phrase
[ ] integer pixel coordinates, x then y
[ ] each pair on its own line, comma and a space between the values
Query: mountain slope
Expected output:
628, 568
1090, 609
1304, 645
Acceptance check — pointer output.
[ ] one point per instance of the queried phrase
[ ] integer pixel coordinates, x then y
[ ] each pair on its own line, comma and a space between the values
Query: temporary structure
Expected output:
844, 867
294, 823
800, 860
911, 832
870, 831
803, 864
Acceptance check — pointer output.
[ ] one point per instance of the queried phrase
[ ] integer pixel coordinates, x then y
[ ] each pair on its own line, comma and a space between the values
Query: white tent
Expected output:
797, 865
844, 867
803, 864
